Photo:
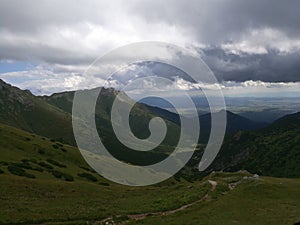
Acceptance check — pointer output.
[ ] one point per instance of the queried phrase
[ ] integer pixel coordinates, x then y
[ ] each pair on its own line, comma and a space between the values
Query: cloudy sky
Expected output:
253, 47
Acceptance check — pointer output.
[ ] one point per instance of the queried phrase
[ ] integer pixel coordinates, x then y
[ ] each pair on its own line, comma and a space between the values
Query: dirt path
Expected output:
162, 213
109, 220
213, 184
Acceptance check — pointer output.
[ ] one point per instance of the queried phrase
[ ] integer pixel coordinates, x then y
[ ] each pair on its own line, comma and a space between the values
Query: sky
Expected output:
253, 47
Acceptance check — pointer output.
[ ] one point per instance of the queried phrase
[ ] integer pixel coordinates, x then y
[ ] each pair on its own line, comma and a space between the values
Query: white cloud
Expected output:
260, 88
42, 81
258, 41
46, 80
64, 37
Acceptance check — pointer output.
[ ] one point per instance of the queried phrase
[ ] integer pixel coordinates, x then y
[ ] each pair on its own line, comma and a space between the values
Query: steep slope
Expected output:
23, 110
234, 123
140, 114
61, 100
274, 150
42, 180
50, 116
139, 120
46, 182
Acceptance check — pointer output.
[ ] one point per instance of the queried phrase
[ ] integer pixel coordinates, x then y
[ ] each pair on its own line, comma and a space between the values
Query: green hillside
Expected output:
23, 110
272, 151
263, 201
43, 181
50, 116
139, 121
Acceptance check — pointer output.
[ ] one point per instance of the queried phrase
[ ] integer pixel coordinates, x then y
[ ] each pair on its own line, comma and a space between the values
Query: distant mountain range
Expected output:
259, 109
254, 146
234, 122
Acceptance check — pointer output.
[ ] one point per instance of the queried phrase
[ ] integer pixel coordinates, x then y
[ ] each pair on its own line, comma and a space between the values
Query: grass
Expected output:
272, 151
59, 195
48, 200
265, 201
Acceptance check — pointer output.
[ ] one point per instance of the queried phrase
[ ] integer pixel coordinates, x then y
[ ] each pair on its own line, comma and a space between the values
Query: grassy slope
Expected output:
139, 122
272, 151
46, 199
261, 202
50, 117
23, 110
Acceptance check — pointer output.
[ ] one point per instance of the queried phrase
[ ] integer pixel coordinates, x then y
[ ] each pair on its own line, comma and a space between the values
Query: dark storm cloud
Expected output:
263, 35
216, 21
270, 67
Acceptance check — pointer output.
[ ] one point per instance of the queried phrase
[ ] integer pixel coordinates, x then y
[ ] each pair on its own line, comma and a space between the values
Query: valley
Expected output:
45, 180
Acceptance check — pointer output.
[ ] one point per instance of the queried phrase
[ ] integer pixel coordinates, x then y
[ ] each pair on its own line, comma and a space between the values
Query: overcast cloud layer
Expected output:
240, 40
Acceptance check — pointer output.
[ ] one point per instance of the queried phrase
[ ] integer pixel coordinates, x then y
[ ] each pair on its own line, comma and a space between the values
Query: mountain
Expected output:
50, 116
273, 151
45, 181
139, 119
235, 123
23, 110
63, 100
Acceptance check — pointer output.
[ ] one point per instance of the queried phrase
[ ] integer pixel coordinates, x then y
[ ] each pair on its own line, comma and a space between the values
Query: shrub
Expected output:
1, 171
29, 175
68, 177
63, 149
60, 175
29, 160
88, 176
55, 163
32, 160
13, 169
24, 165
25, 160
16, 170
4, 163
39, 169
45, 165
57, 174
41, 151
87, 169
59, 144
55, 146
104, 183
